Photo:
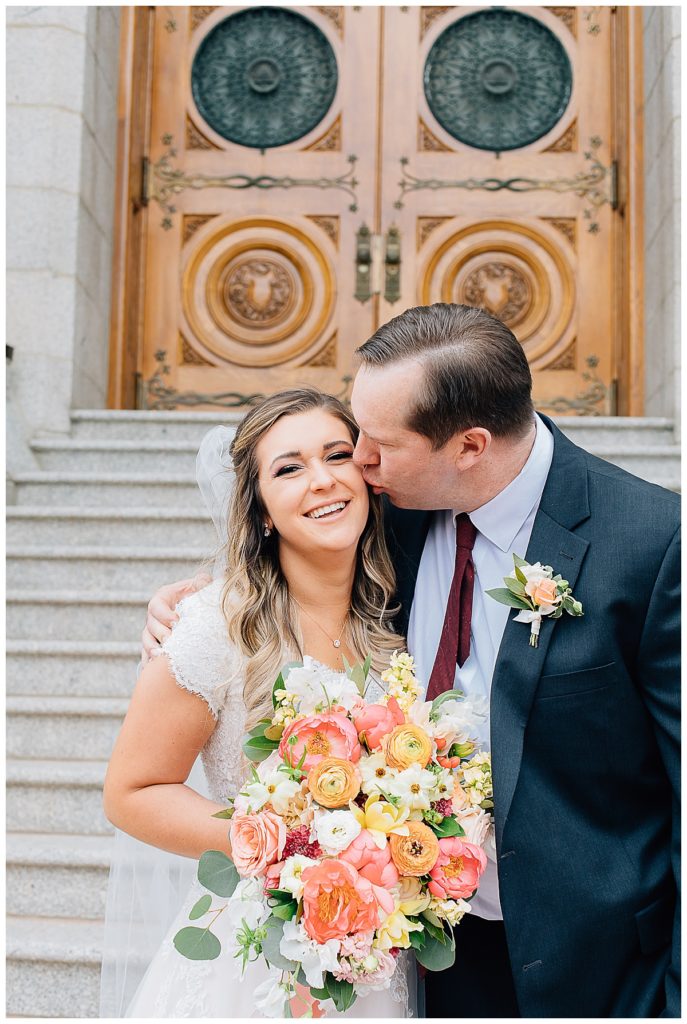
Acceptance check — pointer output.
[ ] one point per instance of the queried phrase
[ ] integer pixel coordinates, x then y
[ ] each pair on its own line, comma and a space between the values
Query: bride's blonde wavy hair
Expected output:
255, 599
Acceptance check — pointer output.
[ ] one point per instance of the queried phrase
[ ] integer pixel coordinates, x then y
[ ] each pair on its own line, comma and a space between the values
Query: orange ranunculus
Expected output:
320, 736
337, 901
416, 853
458, 869
406, 745
545, 592
375, 721
370, 861
333, 782
257, 840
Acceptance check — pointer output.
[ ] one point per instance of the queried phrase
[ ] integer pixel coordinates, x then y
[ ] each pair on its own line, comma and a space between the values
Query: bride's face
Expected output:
315, 497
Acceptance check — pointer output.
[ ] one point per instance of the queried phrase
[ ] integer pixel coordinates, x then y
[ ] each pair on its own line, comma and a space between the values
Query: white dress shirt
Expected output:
504, 526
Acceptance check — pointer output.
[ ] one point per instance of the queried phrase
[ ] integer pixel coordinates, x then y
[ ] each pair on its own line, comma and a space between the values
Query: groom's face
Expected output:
395, 460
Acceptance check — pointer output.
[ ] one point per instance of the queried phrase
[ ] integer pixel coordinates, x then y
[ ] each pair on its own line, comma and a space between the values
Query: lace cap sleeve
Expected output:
202, 658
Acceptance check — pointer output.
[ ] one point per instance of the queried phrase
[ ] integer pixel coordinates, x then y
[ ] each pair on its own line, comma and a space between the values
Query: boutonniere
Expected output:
537, 592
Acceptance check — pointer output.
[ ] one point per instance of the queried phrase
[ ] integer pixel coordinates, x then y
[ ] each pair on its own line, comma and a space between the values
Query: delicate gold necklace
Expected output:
336, 643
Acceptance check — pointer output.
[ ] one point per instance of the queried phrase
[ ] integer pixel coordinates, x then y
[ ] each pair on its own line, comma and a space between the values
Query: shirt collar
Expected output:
502, 518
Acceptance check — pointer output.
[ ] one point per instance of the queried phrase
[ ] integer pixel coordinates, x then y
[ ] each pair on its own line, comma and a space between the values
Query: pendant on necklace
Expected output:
337, 643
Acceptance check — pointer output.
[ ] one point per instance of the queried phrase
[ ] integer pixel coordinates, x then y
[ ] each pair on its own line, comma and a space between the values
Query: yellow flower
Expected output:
333, 782
395, 931
381, 819
405, 745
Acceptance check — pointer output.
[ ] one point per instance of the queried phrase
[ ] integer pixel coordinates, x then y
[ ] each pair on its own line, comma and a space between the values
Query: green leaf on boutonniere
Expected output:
515, 586
504, 596
520, 576
519, 562
217, 873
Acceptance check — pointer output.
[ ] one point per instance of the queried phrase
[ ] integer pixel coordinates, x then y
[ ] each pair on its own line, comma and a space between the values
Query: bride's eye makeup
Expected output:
340, 455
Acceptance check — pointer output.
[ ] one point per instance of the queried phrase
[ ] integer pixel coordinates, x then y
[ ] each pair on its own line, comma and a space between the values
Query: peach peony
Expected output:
406, 745
417, 852
337, 901
333, 782
319, 736
458, 869
375, 721
257, 840
370, 861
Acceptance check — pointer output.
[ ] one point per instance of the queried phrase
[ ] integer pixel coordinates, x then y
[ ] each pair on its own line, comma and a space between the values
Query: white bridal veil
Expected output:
147, 885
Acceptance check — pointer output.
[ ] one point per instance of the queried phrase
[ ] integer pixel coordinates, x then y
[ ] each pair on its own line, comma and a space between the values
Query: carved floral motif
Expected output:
330, 226
499, 288
327, 356
427, 140
567, 143
259, 291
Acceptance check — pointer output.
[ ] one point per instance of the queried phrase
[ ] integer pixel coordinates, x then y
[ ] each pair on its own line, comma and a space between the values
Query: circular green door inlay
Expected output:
497, 79
264, 77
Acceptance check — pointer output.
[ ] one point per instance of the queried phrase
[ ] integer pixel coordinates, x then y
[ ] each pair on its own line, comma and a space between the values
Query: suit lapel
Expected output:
564, 504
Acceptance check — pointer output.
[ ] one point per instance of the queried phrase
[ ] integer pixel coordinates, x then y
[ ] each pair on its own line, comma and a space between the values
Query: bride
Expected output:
307, 575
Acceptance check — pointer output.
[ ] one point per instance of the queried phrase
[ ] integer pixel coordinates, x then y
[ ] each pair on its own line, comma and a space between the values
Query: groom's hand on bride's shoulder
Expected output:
161, 614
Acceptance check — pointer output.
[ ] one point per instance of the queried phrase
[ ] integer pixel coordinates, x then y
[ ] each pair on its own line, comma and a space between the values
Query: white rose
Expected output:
336, 830
475, 822
313, 694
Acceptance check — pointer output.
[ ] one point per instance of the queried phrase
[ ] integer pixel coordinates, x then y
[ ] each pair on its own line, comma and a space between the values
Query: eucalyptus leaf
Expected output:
270, 946
217, 873
201, 907
197, 944
504, 596
435, 955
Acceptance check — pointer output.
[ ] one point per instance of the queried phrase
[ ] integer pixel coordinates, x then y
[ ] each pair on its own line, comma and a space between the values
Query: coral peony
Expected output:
257, 840
406, 745
370, 861
333, 782
458, 868
375, 721
337, 901
319, 736
417, 852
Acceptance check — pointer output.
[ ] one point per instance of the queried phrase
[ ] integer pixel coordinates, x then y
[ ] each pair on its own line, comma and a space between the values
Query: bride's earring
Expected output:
266, 531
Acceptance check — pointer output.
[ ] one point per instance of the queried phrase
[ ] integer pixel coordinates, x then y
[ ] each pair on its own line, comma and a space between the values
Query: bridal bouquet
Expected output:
360, 833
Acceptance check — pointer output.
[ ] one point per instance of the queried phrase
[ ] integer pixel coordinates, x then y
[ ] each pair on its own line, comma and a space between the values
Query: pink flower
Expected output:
375, 721
272, 876
257, 840
371, 862
328, 735
358, 946
337, 901
457, 871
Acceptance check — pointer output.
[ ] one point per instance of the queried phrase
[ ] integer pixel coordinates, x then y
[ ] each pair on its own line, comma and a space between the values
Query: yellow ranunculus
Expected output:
395, 931
381, 819
405, 745
334, 782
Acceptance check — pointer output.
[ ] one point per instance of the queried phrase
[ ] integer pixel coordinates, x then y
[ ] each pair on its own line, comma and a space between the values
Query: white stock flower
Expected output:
315, 959
271, 995
313, 694
376, 774
458, 720
336, 830
413, 785
290, 877
451, 911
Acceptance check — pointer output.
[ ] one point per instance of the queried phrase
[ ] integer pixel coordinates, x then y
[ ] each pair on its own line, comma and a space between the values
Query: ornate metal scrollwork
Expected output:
585, 403
163, 181
497, 79
264, 77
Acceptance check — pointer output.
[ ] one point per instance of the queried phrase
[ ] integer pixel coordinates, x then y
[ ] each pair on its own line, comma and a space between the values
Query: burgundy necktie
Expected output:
454, 644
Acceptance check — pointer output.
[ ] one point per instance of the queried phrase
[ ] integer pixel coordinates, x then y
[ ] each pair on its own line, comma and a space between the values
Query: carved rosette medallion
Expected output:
257, 292
520, 272
264, 77
500, 288
497, 79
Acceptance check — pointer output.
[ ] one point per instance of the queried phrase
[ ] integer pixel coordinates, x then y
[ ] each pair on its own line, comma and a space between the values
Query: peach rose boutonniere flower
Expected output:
536, 592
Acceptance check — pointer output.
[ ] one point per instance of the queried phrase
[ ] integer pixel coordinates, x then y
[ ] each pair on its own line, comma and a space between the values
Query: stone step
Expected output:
71, 669
107, 490
57, 875
94, 424
656, 463
126, 527
76, 615
94, 568
118, 456
53, 967
592, 432
56, 796
46, 727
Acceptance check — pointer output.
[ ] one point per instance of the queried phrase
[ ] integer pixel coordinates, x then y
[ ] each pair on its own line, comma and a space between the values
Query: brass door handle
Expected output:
392, 265
363, 264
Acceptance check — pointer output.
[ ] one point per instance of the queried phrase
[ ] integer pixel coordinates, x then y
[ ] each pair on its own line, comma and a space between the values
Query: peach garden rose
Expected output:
257, 840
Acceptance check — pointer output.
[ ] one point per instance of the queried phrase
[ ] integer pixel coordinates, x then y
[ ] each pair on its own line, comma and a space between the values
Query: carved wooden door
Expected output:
254, 201
311, 172
506, 146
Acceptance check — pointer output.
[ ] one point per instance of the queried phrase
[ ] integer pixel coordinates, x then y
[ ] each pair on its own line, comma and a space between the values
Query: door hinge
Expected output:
145, 182
614, 185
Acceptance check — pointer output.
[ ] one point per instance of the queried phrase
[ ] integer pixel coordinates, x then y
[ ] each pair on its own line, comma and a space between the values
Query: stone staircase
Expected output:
112, 513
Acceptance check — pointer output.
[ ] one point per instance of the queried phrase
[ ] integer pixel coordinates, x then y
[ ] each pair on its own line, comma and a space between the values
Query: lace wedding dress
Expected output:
204, 662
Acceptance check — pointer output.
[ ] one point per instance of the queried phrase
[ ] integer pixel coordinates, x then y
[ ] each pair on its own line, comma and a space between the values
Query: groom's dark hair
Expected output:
475, 371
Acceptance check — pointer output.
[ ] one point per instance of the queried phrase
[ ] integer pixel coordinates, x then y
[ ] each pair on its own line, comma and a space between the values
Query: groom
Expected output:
579, 914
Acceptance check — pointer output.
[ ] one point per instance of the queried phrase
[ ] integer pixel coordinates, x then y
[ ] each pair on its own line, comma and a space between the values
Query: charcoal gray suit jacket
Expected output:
585, 747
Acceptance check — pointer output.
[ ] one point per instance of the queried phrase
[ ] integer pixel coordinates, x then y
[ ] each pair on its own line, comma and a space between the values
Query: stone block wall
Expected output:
662, 210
